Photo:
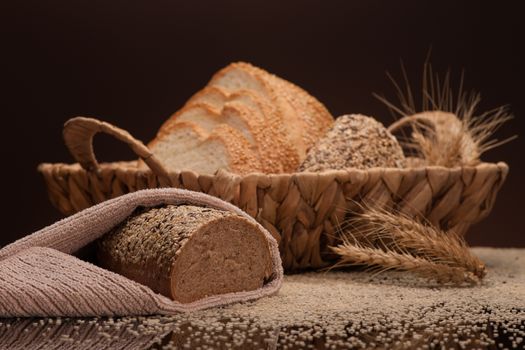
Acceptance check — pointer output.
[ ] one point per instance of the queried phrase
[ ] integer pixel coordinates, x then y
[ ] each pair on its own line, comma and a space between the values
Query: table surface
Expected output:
333, 310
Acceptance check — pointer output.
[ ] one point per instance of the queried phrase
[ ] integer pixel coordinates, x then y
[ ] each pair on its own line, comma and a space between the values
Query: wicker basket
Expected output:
301, 210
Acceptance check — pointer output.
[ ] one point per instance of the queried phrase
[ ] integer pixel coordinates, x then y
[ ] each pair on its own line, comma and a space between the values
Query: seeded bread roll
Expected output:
187, 252
355, 141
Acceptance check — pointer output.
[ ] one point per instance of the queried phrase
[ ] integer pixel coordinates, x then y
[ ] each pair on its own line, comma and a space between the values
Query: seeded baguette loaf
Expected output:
243, 110
187, 252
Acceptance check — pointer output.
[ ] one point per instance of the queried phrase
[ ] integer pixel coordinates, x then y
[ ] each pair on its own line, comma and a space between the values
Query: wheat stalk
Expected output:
399, 232
355, 254
411, 245
447, 131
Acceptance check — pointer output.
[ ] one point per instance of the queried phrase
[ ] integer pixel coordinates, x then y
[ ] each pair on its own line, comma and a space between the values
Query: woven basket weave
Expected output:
301, 210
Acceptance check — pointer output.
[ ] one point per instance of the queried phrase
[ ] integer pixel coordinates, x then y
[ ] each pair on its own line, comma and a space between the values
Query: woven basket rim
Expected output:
300, 209
79, 132
130, 167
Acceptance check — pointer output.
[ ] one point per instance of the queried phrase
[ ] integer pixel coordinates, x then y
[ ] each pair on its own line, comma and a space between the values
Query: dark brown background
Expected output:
133, 63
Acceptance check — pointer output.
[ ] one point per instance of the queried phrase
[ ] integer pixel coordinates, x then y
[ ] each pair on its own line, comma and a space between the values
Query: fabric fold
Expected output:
40, 277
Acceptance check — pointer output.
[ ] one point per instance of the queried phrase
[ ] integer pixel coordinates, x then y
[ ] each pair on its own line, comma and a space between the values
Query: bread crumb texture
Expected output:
333, 310
157, 233
355, 141
188, 252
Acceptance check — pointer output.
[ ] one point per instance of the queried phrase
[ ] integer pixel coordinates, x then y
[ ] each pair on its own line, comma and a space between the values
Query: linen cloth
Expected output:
39, 276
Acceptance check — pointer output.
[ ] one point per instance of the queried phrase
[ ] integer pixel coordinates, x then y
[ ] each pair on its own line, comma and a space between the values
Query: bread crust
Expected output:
316, 115
276, 155
286, 152
242, 117
309, 113
212, 95
185, 252
240, 156
277, 119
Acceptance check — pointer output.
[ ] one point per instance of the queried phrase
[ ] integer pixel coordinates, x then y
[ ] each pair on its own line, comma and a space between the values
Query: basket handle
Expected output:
78, 135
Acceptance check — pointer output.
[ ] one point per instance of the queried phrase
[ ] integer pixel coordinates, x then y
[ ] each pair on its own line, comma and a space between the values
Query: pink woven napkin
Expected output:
39, 277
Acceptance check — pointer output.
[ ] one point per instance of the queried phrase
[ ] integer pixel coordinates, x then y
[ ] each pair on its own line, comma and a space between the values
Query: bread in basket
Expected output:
302, 210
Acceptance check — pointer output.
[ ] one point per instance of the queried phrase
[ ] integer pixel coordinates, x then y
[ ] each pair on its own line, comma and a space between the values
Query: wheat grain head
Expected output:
445, 129
394, 240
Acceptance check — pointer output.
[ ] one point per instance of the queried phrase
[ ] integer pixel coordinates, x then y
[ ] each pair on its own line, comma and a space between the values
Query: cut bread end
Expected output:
187, 252
226, 255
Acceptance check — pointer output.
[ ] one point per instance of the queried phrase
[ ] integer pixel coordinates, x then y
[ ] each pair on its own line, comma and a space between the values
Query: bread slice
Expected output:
239, 77
247, 112
292, 122
275, 121
185, 146
311, 114
187, 252
208, 118
213, 96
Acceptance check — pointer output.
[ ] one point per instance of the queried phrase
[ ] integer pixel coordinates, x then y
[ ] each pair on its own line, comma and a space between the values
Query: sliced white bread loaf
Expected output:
238, 77
185, 146
246, 118
247, 110
276, 121
213, 96
311, 114
208, 118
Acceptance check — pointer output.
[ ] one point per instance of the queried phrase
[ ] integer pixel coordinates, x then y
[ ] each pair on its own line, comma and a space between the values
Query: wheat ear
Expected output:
380, 260
398, 232
447, 146
393, 240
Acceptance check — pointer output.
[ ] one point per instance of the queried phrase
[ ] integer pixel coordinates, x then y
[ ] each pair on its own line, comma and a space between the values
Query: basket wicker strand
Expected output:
301, 210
